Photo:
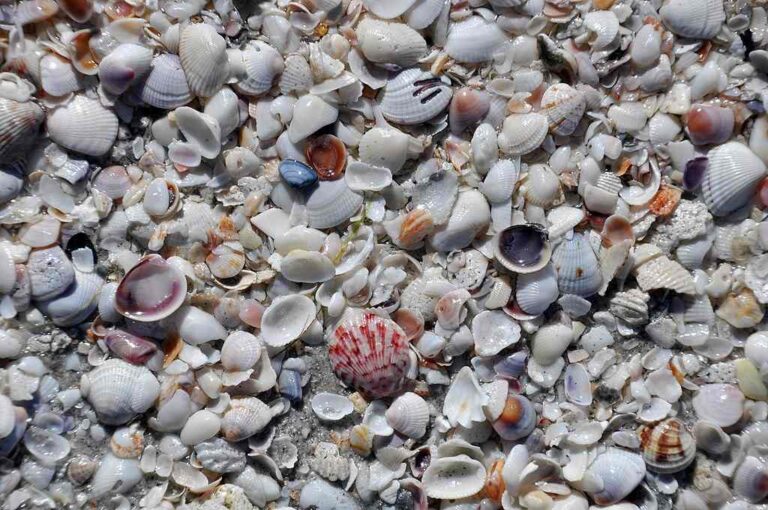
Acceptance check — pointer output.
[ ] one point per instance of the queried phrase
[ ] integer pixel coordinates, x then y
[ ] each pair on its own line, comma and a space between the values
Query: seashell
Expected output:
322, 495
286, 319
365, 177
542, 186
708, 124
50, 272
388, 147
414, 96
119, 391
384, 42
550, 342
370, 354
668, 447
449, 309
219, 456
732, 175
296, 75
165, 85
578, 270
711, 438
241, 351
536, 291
199, 129
751, 479
129, 347
465, 399
523, 133
617, 473
331, 203
263, 65
310, 113
516, 420
423, 13
436, 194
245, 417
201, 426
500, 181
469, 217
629, 117
721, 404
741, 310
758, 138
296, 174
203, 55
453, 477
78, 10
603, 27
388, 9
328, 156
468, 106
80, 469
19, 126
77, 303
494, 331
58, 77
664, 273
473, 40
484, 147
161, 198
307, 267
7, 417
645, 48
124, 66
115, 475
576, 384
523, 248
564, 105
331, 407
701, 19
83, 125
151, 290
756, 348
409, 415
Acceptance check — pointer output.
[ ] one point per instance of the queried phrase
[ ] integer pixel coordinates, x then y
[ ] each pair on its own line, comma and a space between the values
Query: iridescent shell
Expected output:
370, 353
668, 447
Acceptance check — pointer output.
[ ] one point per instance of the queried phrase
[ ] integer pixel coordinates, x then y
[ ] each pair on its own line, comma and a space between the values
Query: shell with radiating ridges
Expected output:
535, 292
409, 415
523, 133
617, 473
664, 273
19, 124
578, 270
121, 68
263, 64
668, 447
245, 417
385, 42
58, 77
474, 40
732, 175
77, 303
332, 203
697, 19
564, 106
370, 353
415, 96
83, 125
203, 55
119, 391
165, 86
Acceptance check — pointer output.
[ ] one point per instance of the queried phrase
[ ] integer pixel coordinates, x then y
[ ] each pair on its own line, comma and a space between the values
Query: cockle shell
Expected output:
58, 77
603, 26
414, 96
500, 181
263, 64
700, 19
77, 303
166, 85
542, 186
385, 42
83, 125
409, 415
454, 477
369, 353
286, 319
578, 270
388, 9
123, 66
203, 55
423, 13
474, 40
668, 447
151, 290
332, 203
617, 473
732, 175
536, 291
751, 479
19, 124
564, 107
241, 351
119, 391
245, 417
523, 133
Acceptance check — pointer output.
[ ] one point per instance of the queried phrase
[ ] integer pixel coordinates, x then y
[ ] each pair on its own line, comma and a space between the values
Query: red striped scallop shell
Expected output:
370, 353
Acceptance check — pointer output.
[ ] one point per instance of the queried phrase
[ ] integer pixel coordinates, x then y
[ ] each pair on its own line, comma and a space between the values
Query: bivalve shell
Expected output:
618, 473
721, 404
474, 40
385, 42
732, 176
119, 391
409, 415
123, 66
83, 125
697, 19
668, 447
523, 133
454, 477
151, 290
166, 85
578, 270
564, 107
203, 55
286, 319
415, 96
263, 64
19, 125
245, 417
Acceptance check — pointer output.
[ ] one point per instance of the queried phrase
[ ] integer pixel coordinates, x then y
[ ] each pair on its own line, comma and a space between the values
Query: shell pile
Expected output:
399, 254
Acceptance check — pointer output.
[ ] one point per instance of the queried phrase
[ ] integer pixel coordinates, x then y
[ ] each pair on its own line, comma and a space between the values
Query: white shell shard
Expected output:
409, 415
115, 475
388, 147
200, 426
494, 331
523, 133
166, 85
203, 55
385, 42
550, 342
414, 96
453, 477
286, 319
664, 273
469, 217
437, 194
578, 270
465, 399
310, 113
617, 472
733, 173
474, 40
83, 125
698, 19
365, 177
199, 129
119, 391
123, 67
263, 64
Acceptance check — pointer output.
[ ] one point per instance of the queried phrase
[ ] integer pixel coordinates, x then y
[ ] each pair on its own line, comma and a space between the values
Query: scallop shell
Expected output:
370, 353
474, 40
245, 417
386, 42
523, 133
119, 391
166, 84
564, 107
668, 447
286, 319
454, 477
618, 472
578, 270
263, 65
414, 96
535, 292
696, 19
203, 55
409, 415
83, 125
19, 126
123, 66
732, 176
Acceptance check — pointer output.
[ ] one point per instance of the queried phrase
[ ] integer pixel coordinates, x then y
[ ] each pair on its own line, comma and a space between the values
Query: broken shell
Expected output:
454, 477
129, 347
409, 415
465, 399
494, 331
310, 113
668, 447
151, 290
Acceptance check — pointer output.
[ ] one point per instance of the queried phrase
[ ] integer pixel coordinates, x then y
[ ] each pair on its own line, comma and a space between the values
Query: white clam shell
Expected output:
123, 67
646, 46
331, 406
119, 391
7, 417
58, 77
550, 342
628, 117
384, 42
76, 303
310, 113
196, 326
263, 64
474, 40
470, 216
307, 267
388, 147
617, 473
578, 270
542, 186
50, 272
166, 85
203, 55
83, 125
199, 129
494, 331
224, 106
454, 477
246, 417
732, 175
115, 475
409, 415
437, 194
286, 319
721, 404
366, 177
564, 107
484, 147
388, 9
332, 203
414, 96
696, 19
499, 183
19, 123
604, 28
523, 133
200, 426
424, 12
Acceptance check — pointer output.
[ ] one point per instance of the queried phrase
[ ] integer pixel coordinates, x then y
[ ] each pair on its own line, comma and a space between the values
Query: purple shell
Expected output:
694, 173
129, 347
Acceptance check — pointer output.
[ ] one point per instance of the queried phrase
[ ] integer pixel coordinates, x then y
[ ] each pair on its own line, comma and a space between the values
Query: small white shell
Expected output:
366, 177
564, 106
83, 125
199, 129
76, 303
453, 477
331, 406
604, 28
523, 133
200, 426
286, 319
617, 472
386, 42
115, 475
307, 267
50, 272
465, 399
470, 216
19, 123
474, 40
246, 417
578, 270
499, 183
7, 417
203, 55
241, 351
58, 77
388, 147
409, 415
721, 404
536, 291
118, 391
123, 67
263, 64
388, 9
166, 85
550, 342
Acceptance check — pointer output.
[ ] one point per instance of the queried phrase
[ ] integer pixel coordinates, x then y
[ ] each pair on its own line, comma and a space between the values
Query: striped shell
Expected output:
564, 106
523, 133
370, 353
668, 447
203, 55
578, 271
165, 86
83, 125
664, 273
733, 173
19, 124
414, 96
263, 64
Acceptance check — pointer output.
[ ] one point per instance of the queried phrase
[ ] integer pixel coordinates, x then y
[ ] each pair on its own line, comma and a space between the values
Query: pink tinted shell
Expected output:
152, 290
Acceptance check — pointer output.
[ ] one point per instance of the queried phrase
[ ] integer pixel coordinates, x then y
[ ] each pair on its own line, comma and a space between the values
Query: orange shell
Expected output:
665, 201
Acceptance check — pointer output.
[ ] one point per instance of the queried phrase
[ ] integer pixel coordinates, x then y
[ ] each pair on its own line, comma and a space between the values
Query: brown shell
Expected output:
415, 227
328, 156
665, 201
668, 447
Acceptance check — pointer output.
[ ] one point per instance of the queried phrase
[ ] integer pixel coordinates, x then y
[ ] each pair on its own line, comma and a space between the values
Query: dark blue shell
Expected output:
296, 174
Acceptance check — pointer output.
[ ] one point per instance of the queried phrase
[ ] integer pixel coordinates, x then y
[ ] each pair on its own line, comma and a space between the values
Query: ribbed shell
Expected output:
578, 270
118, 391
564, 106
697, 19
620, 471
19, 125
386, 42
246, 417
370, 353
409, 415
663, 273
474, 40
166, 85
263, 64
83, 125
523, 133
668, 447
296, 76
536, 291
733, 173
332, 203
203, 55
414, 96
